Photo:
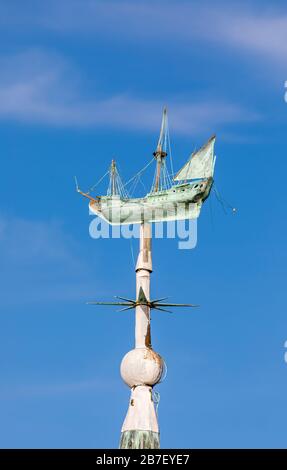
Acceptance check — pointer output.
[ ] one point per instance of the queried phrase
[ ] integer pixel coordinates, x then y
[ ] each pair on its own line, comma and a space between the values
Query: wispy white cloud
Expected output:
40, 263
34, 241
33, 390
257, 29
43, 89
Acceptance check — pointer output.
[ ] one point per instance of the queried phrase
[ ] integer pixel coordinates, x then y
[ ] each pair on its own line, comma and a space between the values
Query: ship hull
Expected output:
180, 202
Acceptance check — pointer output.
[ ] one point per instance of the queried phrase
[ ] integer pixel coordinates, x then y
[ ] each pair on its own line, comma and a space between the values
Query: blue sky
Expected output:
82, 82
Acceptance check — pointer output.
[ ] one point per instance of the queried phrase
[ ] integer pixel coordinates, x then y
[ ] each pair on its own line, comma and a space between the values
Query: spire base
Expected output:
139, 440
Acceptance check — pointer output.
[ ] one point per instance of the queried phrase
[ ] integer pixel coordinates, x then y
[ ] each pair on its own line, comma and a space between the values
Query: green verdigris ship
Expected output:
172, 196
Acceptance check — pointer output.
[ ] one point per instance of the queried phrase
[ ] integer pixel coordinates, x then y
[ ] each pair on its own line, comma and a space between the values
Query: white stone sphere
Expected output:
142, 366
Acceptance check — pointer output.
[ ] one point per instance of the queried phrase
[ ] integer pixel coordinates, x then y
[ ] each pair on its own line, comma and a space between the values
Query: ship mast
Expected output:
116, 186
113, 178
160, 153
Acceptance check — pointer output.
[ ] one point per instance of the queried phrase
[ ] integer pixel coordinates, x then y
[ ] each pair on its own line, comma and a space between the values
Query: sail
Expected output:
200, 163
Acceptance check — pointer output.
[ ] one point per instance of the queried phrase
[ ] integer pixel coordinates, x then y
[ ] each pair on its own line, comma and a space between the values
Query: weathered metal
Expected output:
139, 440
142, 368
143, 271
179, 202
129, 304
141, 415
200, 164
168, 200
159, 154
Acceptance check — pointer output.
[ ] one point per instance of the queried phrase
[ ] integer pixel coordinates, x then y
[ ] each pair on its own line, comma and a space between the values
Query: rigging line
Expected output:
169, 179
170, 154
139, 180
165, 134
163, 177
101, 179
156, 398
153, 183
164, 373
167, 176
132, 252
142, 183
219, 200
134, 185
211, 212
222, 200
139, 172
123, 191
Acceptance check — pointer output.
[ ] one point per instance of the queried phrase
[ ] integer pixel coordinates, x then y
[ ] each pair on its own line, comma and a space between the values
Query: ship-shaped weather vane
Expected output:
172, 197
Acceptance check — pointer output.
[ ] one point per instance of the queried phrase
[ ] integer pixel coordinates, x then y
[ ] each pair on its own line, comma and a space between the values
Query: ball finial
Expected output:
142, 366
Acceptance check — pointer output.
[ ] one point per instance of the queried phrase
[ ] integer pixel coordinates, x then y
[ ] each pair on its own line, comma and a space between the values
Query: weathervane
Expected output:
172, 197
